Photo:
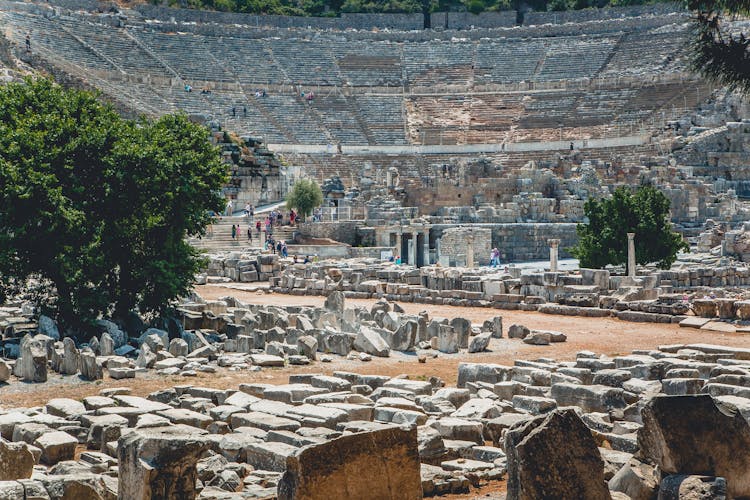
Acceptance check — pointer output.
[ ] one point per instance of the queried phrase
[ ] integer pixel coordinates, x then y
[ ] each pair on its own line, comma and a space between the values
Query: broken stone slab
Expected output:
16, 461
636, 480
31, 366
263, 421
334, 469
90, 368
370, 341
697, 487
518, 332
56, 446
693, 322
480, 342
448, 340
537, 338
159, 463
66, 408
554, 456
270, 456
696, 434
308, 346
266, 360
591, 398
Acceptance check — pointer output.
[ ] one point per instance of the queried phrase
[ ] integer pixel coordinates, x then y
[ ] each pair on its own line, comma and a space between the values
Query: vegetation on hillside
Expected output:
94, 209
336, 7
603, 240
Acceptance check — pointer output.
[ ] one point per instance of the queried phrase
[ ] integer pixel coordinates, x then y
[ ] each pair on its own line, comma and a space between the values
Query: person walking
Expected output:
249, 234
234, 232
257, 227
228, 208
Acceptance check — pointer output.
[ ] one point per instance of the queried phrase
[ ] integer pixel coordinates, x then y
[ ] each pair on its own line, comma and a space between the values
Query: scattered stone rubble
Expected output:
236, 336
669, 423
669, 296
239, 267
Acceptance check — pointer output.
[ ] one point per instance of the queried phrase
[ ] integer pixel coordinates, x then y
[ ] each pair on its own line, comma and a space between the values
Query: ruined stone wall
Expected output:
522, 242
343, 231
455, 242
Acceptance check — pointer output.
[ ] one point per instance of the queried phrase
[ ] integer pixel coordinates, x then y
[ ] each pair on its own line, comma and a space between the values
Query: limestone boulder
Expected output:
56, 446
159, 463
518, 332
448, 340
370, 341
480, 342
90, 369
307, 345
697, 435
4, 371
335, 302
554, 456
16, 461
31, 366
47, 326
382, 464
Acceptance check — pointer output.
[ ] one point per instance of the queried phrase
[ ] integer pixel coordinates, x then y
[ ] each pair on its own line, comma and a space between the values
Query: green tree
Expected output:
645, 212
304, 196
721, 52
94, 208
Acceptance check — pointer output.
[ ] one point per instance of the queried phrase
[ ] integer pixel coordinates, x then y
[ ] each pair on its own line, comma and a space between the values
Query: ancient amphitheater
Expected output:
353, 377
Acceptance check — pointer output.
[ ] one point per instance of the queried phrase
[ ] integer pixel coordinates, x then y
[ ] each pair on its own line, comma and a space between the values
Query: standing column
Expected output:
553, 249
426, 248
631, 255
470, 251
398, 245
413, 250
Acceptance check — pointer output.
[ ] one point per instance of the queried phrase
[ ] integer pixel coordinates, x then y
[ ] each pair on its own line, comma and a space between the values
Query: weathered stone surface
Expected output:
692, 487
480, 342
159, 463
697, 435
335, 302
370, 341
635, 479
46, 326
448, 340
56, 446
554, 456
69, 365
90, 369
308, 346
334, 469
518, 332
16, 461
32, 365
591, 398
106, 345
4, 371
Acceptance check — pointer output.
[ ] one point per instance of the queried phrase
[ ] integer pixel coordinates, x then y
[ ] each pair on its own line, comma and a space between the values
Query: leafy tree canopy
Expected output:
645, 212
304, 196
719, 52
94, 208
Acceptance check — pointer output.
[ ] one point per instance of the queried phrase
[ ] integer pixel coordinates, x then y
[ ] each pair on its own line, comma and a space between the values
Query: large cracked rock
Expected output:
159, 463
16, 461
554, 456
32, 365
382, 464
697, 435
